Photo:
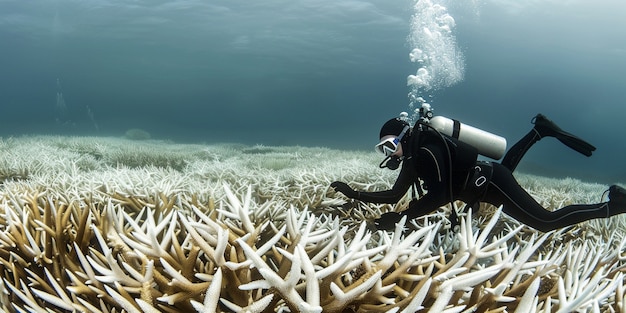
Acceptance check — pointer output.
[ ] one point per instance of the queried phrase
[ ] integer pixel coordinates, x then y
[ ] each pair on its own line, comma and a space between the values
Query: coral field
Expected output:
111, 225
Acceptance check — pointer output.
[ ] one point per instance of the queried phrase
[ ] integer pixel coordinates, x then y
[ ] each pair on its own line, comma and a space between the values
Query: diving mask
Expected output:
389, 146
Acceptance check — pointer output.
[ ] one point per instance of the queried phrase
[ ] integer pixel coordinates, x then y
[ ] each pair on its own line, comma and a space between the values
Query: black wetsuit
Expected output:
426, 157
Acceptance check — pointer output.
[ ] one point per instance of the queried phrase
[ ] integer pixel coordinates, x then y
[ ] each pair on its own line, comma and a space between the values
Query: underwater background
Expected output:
318, 73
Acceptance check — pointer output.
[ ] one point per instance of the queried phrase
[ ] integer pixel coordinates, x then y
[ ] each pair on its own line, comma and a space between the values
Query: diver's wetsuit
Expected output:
426, 157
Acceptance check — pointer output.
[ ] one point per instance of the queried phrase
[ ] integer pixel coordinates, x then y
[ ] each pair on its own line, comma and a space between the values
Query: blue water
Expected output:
313, 73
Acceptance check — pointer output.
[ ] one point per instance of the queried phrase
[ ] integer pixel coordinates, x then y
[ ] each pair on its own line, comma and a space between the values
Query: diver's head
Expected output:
391, 137
394, 127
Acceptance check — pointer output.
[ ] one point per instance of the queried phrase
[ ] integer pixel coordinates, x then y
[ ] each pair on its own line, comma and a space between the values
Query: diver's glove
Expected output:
345, 189
387, 221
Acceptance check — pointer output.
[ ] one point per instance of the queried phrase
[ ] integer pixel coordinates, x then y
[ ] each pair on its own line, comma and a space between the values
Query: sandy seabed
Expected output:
95, 224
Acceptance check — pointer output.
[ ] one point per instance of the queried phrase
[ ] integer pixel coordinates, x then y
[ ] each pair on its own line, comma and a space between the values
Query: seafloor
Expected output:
113, 225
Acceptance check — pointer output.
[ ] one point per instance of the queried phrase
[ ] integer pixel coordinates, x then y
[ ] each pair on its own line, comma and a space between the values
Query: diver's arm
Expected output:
436, 177
393, 195
426, 204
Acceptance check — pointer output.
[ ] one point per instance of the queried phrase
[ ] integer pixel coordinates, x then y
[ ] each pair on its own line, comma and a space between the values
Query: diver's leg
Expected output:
518, 150
543, 128
517, 203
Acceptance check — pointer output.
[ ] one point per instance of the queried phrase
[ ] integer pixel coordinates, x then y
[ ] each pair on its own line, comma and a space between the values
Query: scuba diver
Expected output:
449, 171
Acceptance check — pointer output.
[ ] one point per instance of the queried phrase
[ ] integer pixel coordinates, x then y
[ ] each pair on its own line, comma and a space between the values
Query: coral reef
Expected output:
232, 228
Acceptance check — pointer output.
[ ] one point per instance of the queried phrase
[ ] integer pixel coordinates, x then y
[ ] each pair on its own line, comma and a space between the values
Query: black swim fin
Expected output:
576, 143
546, 127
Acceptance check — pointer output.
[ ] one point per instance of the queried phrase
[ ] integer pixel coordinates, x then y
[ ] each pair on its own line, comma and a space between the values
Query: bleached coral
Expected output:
231, 231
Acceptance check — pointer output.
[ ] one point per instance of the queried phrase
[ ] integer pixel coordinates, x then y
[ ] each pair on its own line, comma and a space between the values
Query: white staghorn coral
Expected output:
221, 229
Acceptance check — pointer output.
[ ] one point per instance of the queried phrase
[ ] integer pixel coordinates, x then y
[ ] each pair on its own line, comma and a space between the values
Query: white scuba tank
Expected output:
486, 143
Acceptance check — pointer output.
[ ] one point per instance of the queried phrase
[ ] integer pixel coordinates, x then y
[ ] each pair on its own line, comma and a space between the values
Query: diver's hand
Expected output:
387, 221
345, 189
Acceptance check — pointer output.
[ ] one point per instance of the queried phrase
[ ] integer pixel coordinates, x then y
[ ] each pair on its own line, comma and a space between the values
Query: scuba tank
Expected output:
487, 144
